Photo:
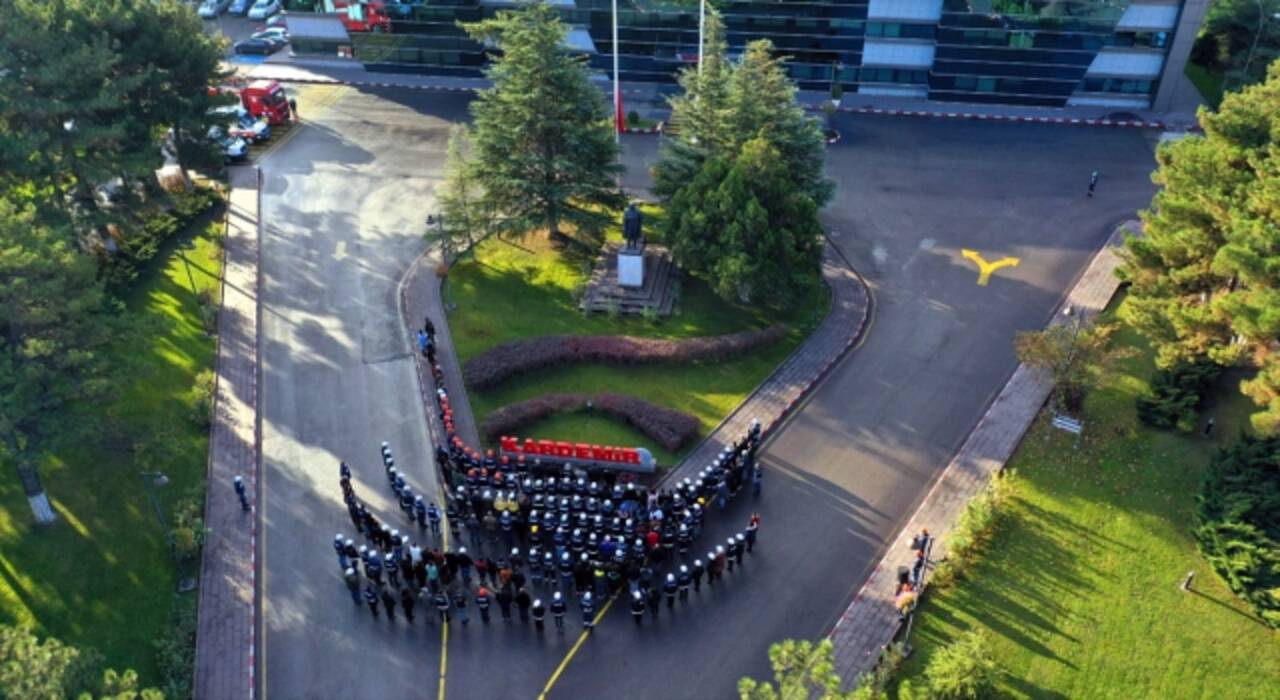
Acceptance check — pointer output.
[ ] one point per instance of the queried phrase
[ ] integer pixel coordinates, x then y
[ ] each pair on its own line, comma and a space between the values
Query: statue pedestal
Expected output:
630, 268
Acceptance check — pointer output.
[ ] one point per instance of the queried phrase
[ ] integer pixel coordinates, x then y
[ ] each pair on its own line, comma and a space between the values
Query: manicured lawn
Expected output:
102, 576
1209, 83
525, 289
1079, 587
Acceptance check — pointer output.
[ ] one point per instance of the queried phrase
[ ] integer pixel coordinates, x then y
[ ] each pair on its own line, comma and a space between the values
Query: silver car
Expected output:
210, 9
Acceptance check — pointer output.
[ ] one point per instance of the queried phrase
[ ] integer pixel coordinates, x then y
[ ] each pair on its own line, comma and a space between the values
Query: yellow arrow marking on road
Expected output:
986, 268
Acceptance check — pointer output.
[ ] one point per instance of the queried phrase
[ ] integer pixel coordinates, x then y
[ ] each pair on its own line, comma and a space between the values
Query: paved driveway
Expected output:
343, 212
344, 205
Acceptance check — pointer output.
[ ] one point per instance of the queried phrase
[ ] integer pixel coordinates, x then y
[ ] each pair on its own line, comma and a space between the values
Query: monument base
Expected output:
631, 269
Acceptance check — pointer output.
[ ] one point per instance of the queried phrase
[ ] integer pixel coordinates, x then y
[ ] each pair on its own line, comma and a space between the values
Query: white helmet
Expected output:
462, 550
349, 571
697, 562
350, 543
537, 603
385, 444
684, 569
556, 595
671, 577
337, 537
586, 596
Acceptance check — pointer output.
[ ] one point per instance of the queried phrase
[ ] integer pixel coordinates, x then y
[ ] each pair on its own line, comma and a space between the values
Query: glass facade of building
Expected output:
1028, 52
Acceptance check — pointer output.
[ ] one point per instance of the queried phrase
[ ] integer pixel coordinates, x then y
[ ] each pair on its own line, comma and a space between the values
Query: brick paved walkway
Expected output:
870, 622
420, 297
772, 401
225, 638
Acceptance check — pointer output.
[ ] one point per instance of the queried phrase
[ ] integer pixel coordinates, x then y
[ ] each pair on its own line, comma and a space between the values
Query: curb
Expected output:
1073, 121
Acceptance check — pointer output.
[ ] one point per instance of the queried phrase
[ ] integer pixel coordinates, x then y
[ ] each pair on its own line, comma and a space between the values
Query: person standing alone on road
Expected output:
241, 491
1093, 182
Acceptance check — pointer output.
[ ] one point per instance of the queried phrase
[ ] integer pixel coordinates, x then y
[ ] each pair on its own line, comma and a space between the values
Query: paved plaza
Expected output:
343, 210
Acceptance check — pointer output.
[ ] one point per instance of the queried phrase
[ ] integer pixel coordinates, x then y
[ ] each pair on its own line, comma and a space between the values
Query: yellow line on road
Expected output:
444, 657
573, 651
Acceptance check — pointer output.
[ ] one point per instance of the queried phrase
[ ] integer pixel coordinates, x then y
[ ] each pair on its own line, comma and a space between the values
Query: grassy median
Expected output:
1078, 589
102, 576
523, 289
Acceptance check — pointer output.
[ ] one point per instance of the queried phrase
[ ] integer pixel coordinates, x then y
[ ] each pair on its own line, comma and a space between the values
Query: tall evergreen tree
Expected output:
699, 121
744, 226
465, 221
730, 104
543, 143
54, 321
1206, 277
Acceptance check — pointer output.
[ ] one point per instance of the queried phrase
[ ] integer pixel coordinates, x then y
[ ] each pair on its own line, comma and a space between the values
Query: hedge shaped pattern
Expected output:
669, 428
508, 360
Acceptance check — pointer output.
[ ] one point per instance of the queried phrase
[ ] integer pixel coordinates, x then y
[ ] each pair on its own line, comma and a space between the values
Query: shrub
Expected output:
500, 363
669, 428
963, 669
974, 528
187, 526
633, 118
1238, 521
202, 403
1176, 396
176, 650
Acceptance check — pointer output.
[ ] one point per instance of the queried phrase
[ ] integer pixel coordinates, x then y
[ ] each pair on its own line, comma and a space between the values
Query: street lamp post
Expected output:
150, 481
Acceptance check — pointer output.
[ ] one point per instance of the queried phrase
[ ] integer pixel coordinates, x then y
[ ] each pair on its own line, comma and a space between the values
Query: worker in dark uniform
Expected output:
637, 607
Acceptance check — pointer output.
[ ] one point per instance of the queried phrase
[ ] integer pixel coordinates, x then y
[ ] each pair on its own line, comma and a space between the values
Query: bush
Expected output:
963, 669
187, 526
1238, 521
176, 650
143, 242
1176, 396
633, 118
202, 403
508, 360
669, 428
975, 527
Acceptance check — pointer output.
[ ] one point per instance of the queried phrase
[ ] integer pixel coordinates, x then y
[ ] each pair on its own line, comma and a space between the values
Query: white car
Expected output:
279, 33
210, 9
263, 9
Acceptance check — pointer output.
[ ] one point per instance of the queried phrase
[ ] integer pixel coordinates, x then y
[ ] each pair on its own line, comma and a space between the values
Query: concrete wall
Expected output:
1184, 36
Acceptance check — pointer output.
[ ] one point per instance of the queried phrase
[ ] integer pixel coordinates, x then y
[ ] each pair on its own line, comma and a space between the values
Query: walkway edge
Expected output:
871, 621
227, 624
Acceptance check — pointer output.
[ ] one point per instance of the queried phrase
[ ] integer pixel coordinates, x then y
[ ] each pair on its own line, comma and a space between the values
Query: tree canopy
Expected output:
729, 104
743, 225
1205, 277
543, 149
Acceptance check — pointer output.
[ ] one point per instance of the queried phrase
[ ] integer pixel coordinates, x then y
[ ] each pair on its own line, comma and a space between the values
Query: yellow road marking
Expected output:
444, 657
986, 268
573, 651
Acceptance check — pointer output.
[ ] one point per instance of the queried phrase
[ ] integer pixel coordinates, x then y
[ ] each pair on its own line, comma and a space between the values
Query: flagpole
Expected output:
617, 87
702, 23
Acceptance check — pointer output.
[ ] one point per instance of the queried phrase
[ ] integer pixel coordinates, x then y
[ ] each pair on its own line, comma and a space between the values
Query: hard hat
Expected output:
586, 596
350, 543
697, 562
349, 571
238, 479
556, 595
684, 569
418, 499
671, 577
386, 444
337, 538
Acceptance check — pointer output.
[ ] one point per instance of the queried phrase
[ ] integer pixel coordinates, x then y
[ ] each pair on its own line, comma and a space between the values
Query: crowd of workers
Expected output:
539, 533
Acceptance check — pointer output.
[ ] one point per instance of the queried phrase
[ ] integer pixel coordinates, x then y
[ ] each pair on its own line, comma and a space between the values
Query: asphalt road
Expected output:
344, 203
343, 207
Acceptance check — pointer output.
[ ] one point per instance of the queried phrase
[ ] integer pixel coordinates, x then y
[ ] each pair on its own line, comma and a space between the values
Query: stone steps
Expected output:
603, 290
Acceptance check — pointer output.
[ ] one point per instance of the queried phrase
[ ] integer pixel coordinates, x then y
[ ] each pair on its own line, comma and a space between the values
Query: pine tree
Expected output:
698, 125
744, 226
54, 321
1205, 279
762, 104
465, 221
544, 149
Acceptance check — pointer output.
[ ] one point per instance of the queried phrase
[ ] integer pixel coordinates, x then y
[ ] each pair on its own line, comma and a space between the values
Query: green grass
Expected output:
102, 576
1208, 82
525, 289
1078, 589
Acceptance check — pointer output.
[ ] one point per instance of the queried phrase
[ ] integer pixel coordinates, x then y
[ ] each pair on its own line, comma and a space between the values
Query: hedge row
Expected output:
669, 428
500, 363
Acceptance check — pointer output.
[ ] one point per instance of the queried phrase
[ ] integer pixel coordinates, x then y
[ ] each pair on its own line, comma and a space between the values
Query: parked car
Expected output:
240, 7
210, 9
263, 9
279, 33
233, 149
243, 125
280, 20
263, 46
